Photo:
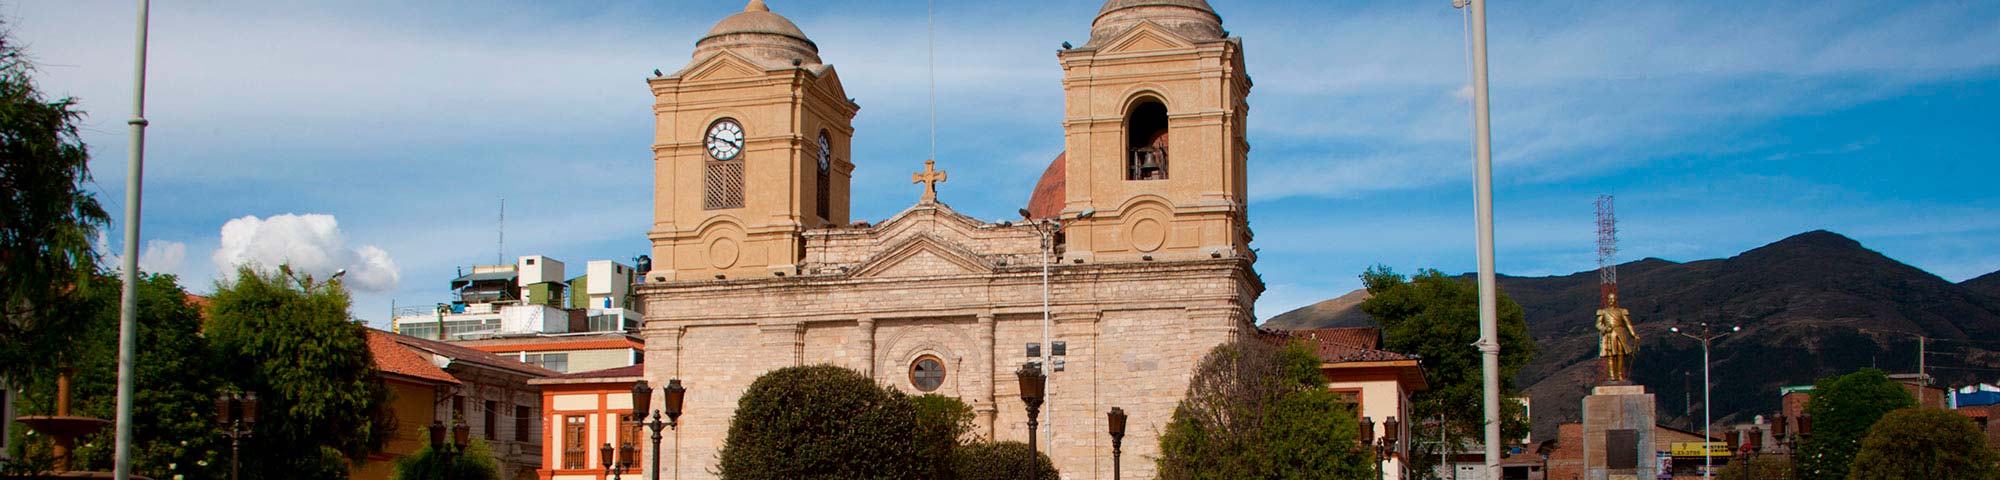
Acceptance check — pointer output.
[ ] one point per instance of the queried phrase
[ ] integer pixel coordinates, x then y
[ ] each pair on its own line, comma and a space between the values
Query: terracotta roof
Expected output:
468, 355
391, 357
609, 375
1050, 192
1336, 345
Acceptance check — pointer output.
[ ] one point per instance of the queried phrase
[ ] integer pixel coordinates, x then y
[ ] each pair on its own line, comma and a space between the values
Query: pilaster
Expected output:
785, 343
985, 406
867, 348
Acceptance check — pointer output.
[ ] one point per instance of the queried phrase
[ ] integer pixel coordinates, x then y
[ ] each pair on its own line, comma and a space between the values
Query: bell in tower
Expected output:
1153, 135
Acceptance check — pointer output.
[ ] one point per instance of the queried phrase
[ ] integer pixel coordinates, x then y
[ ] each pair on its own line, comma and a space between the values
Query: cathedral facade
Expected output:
1140, 227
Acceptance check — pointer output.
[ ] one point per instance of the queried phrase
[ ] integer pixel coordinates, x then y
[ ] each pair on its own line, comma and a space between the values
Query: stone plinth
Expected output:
1618, 434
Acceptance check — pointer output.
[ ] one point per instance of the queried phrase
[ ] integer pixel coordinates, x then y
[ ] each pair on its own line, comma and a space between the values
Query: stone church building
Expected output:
758, 265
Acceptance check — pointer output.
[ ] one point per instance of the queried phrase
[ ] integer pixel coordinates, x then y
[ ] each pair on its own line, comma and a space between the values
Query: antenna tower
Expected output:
1607, 248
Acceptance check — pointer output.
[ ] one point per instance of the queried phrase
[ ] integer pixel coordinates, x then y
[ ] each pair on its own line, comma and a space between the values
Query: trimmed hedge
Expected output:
998, 461
823, 421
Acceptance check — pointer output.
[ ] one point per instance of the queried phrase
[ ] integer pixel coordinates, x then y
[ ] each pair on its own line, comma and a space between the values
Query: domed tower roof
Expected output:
1192, 19
767, 38
1050, 192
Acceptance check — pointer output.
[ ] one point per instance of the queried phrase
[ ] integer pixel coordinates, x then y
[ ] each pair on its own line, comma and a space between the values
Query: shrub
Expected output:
1843, 409
828, 422
475, 463
998, 461
1254, 410
1920, 442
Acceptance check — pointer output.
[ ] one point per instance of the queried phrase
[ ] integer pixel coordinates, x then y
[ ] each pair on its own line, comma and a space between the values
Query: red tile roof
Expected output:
465, 354
1336, 345
614, 372
1051, 191
392, 358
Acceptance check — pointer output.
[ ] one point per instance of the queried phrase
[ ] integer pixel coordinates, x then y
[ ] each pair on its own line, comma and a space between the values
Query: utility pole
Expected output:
1707, 420
1482, 193
128, 309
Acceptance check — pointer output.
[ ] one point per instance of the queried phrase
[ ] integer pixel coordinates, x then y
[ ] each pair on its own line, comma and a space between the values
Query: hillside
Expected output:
1988, 284
1811, 305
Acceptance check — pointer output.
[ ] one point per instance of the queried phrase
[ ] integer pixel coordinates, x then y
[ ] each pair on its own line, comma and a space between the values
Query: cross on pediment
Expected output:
930, 178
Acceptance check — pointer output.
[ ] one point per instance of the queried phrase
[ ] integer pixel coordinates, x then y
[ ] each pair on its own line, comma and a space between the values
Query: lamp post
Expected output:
447, 452
623, 455
1048, 228
1707, 461
670, 408
1117, 424
1386, 444
237, 413
1032, 385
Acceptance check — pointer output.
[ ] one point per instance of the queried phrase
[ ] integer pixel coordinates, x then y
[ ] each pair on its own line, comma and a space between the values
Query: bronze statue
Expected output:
1617, 342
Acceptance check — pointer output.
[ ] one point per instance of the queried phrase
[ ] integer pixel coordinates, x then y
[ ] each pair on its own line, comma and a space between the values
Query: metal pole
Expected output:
128, 309
1034, 466
1048, 339
656, 446
1707, 459
235, 454
1489, 346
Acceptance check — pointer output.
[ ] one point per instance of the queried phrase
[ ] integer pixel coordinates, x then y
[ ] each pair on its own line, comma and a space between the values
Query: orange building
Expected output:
582, 412
431, 381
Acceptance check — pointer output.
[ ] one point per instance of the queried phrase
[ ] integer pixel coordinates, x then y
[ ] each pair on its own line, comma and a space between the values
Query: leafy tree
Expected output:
998, 461
47, 219
1256, 410
178, 434
1922, 442
323, 405
1843, 408
475, 463
827, 422
947, 416
1437, 317
1759, 467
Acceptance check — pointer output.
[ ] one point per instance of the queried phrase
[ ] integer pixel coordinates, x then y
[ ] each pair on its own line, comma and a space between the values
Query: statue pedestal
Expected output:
1618, 427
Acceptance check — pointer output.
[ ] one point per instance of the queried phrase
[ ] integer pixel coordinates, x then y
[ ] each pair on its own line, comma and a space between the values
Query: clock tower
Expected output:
750, 150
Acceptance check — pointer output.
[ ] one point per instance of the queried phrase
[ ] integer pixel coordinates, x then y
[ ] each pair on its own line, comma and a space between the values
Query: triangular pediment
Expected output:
923, 256
1146, 36
723, 67
830, 81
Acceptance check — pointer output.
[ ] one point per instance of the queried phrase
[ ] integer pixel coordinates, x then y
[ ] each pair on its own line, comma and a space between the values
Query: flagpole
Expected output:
128, 310
1489, 345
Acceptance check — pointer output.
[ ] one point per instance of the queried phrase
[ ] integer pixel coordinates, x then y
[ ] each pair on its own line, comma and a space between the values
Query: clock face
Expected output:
825, 152
725, 139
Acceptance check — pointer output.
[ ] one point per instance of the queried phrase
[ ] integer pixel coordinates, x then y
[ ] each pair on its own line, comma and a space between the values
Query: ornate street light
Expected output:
447, 452
237, 414
1385, 446
1117, 424
623, 456
1032, 385
670, 407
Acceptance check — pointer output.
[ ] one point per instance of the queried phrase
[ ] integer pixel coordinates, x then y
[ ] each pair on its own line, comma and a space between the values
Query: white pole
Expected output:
1489, 344
1707, 459
128, 310
1048, 346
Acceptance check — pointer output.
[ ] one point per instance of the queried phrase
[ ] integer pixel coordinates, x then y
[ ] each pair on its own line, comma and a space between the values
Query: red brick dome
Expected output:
1050, 193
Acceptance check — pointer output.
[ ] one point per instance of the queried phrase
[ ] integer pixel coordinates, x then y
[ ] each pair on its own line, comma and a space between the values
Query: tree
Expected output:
827, 422
1843, 408
475, 463
1257, 410
289, 340
998, 461
944, 424
1923, 442
1758, 467
1437, 317
47, 218
177, 392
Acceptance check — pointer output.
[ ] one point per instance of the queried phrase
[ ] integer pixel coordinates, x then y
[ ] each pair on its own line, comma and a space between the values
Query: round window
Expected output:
927, 373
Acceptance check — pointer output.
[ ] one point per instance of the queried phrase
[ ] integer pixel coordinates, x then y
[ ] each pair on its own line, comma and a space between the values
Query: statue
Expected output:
1617, 342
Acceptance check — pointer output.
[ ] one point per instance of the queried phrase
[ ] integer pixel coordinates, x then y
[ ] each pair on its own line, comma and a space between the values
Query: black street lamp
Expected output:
1032, 385
1387, 444
447, 452
670, 407
237, 413
623, 458
1117, 424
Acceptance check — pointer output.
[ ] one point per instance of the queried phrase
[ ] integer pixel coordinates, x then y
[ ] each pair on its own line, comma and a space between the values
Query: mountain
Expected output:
1988, 284
1341, 311
1811, 305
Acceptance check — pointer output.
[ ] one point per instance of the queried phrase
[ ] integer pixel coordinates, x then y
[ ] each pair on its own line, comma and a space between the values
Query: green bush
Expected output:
1255, 410
1921, 442
998, 461
828, 422
1843, 409
475, 463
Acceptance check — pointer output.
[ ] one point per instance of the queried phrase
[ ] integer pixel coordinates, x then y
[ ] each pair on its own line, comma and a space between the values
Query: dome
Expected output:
1050, 192
765, 37
1192, 19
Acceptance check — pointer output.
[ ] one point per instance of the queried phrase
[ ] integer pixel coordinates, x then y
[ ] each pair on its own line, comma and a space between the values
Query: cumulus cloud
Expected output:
311, 244
162, 256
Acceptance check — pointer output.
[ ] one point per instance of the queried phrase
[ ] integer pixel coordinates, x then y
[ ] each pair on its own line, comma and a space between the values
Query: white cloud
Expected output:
311, 243
162, 256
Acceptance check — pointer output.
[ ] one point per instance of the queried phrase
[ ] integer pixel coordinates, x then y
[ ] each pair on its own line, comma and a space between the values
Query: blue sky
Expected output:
381, 136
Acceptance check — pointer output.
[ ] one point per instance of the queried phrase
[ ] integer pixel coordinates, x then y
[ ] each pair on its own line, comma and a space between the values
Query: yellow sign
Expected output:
1694, 449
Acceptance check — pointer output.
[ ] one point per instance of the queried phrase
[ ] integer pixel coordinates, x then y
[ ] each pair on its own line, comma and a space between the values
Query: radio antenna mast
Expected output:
1607, 248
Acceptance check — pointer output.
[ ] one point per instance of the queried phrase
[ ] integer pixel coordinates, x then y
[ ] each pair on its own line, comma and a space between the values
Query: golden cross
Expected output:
930, 178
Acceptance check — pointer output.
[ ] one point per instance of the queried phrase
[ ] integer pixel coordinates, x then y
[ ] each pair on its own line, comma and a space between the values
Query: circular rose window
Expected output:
927, 373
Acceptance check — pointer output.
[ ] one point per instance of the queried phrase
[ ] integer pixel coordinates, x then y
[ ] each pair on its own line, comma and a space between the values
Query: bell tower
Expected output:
750, 149
1154, 111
